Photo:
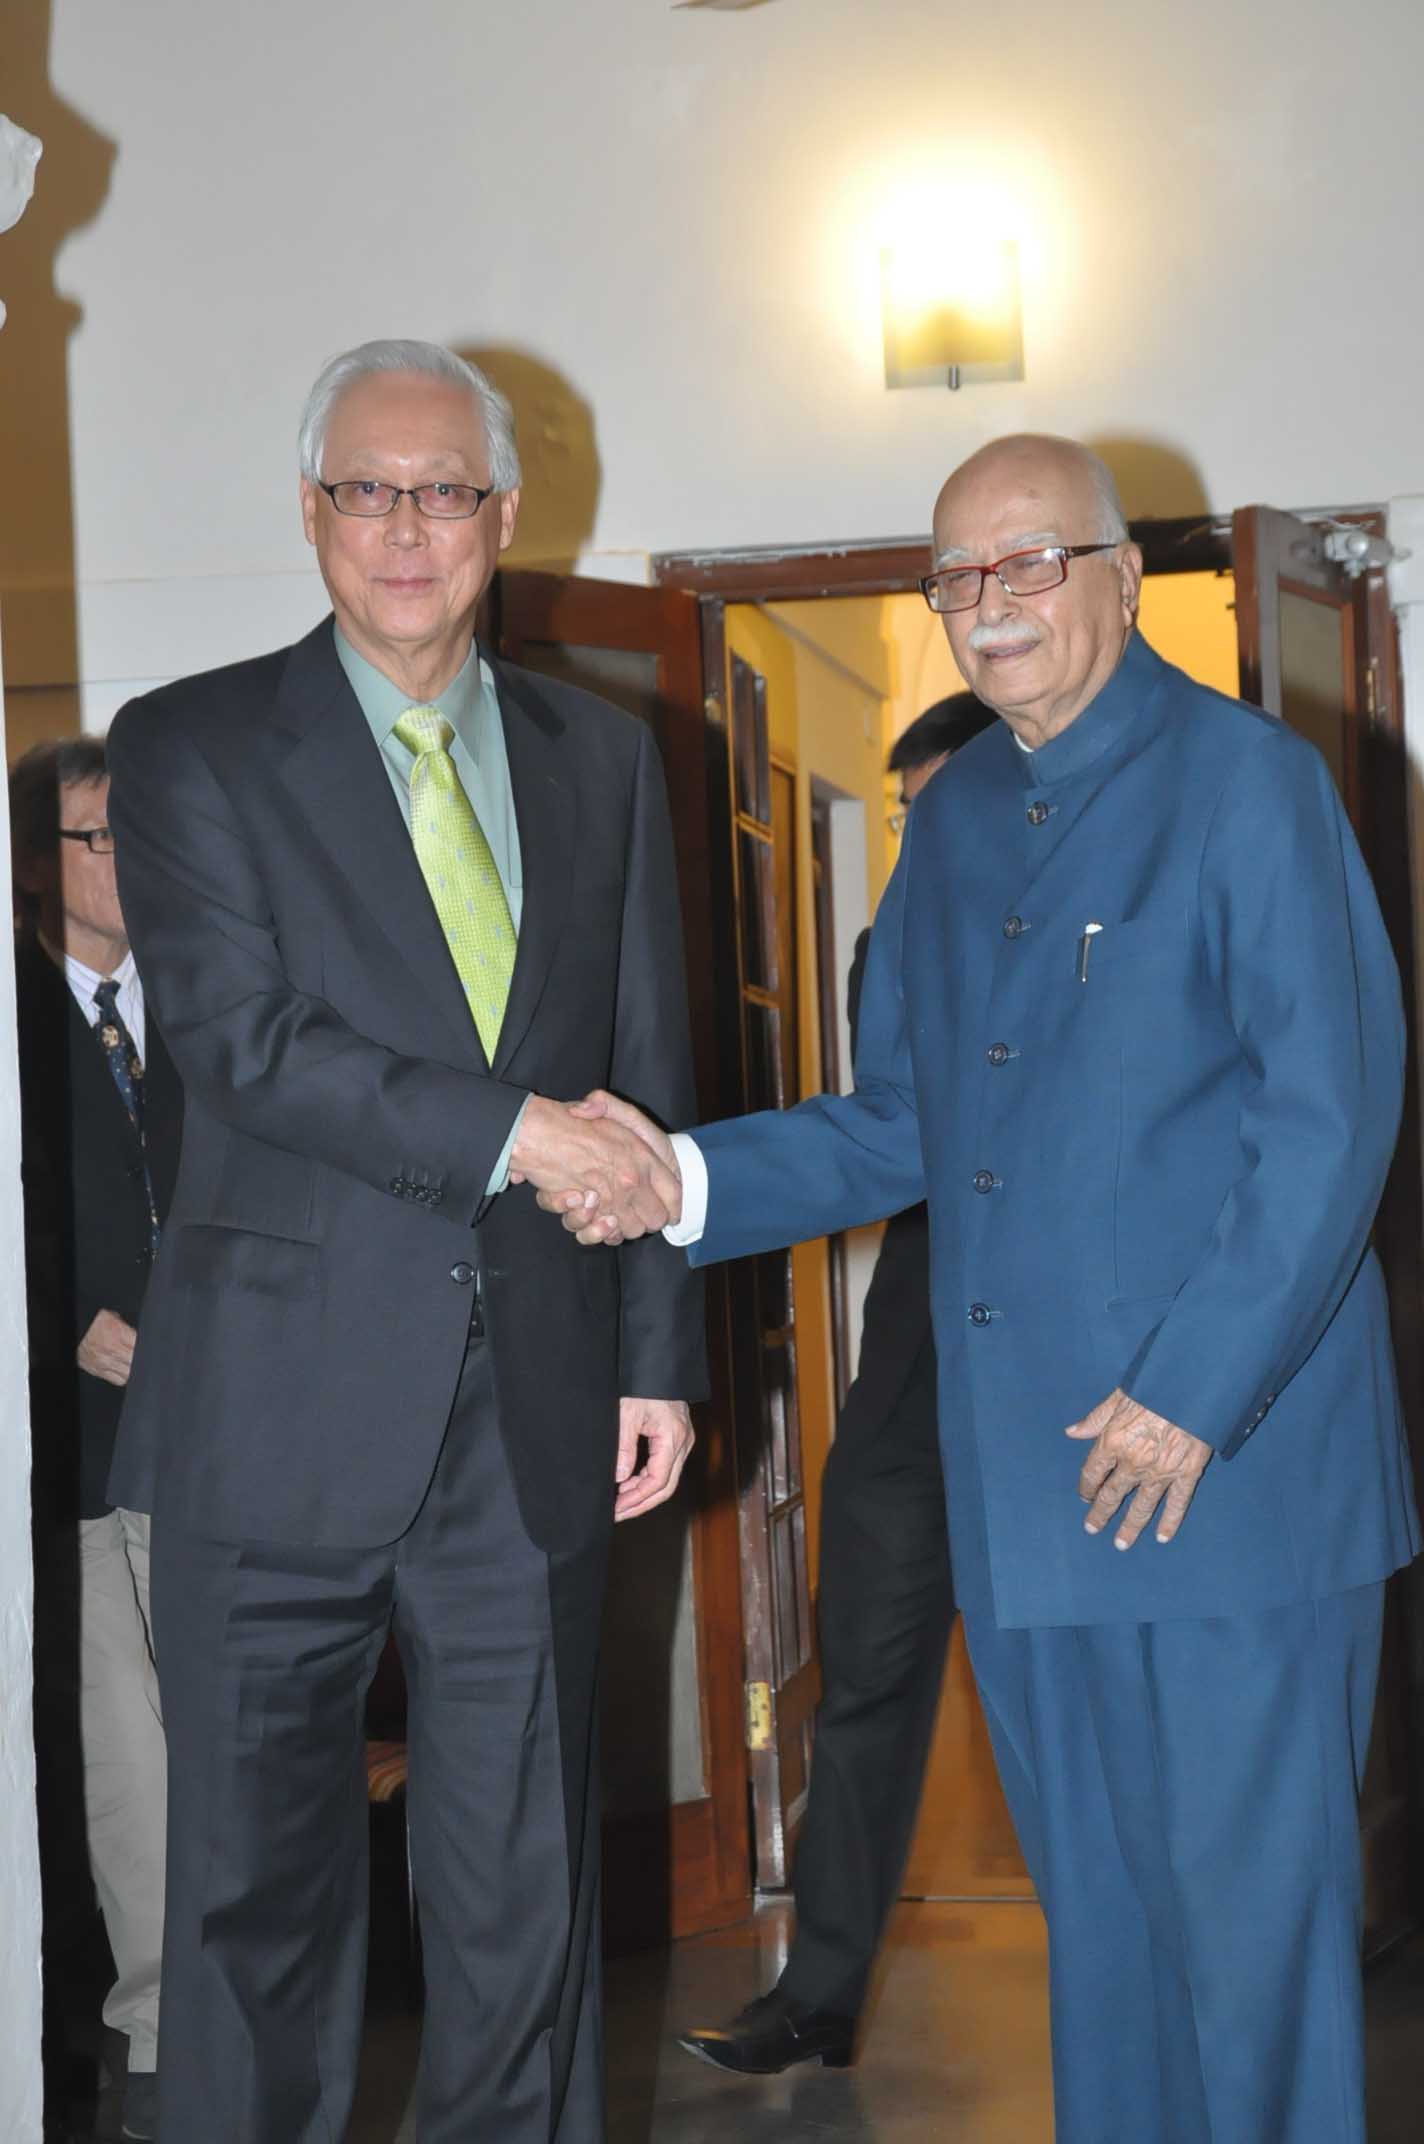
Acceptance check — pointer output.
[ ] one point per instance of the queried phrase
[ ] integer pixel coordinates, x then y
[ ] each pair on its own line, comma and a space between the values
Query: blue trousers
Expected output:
1185, 1794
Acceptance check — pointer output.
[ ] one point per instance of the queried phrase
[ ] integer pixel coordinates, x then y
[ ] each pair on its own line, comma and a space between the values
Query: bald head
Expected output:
1038, 660
1047, 466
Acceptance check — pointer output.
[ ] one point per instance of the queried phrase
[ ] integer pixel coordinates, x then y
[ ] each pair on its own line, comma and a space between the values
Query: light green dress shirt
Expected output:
470, 704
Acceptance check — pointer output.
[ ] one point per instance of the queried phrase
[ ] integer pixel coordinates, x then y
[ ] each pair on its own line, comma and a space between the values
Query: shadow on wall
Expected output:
37, 563
557, 444
1158, 481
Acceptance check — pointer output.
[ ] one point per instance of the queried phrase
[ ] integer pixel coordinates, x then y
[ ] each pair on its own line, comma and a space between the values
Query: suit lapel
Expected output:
535, 742
337, 773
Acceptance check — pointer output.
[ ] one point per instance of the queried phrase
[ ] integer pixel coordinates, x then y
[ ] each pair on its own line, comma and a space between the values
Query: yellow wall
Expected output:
828, 671
1189, 618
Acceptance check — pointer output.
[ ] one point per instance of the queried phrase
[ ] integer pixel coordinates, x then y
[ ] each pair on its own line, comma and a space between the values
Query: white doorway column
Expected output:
1406, 589
20, 2088
21, 2091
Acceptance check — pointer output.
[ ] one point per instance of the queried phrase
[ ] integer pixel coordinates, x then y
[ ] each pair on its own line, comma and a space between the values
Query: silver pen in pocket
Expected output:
1085, 947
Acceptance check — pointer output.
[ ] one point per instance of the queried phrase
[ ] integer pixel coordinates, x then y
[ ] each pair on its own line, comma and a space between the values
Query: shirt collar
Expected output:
85, 981
462, 703
1101, 723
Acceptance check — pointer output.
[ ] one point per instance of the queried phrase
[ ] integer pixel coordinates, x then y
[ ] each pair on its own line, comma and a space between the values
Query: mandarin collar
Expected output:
1102, 722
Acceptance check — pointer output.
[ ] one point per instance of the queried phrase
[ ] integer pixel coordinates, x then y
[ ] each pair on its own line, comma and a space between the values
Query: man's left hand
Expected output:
665, 1427
1140, 1455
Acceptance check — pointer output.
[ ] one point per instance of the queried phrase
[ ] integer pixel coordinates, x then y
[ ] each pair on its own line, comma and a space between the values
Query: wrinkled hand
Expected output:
665, 1427
584, 1214
576, 1157
107, 1348
1140, 1455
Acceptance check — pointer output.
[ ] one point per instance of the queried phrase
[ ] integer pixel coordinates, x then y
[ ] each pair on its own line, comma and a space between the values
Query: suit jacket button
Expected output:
462, 1273
1014, 926
397, 1185
998, 1053
979, 1313
984, 1180
1037, 813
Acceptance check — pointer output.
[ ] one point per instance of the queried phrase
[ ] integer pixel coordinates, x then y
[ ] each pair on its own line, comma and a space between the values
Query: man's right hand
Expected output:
607, 1170
585, 1214
107, 1348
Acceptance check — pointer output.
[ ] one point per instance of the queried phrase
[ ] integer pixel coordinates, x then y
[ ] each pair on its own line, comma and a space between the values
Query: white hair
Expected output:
1112, 521
438, 363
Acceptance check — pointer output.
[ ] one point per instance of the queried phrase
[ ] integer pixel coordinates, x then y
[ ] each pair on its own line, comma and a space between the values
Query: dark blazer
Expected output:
897, 1322
1156, 1167
86, 1221
311, 1303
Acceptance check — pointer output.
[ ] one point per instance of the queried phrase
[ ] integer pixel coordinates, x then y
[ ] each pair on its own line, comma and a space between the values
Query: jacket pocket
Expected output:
1144, 938
211, 1258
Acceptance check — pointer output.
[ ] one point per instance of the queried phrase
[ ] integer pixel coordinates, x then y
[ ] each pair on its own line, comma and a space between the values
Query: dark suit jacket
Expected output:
310, 1307
86, 1222
897, 1324
1155, 1168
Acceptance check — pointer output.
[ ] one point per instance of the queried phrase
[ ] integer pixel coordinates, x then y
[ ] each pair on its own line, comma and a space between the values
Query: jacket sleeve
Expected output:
663, 1344
838, 1160
1300, 954
258, 1054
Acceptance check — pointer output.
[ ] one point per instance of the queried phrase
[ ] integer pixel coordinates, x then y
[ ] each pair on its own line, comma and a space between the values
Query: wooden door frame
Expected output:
703, 1842
892, 566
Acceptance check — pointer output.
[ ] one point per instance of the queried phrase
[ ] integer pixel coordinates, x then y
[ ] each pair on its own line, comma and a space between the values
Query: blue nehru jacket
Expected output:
1132, 1024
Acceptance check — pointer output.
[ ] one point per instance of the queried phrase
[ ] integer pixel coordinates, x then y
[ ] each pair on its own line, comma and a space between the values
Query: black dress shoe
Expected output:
771, 2034
140, 2106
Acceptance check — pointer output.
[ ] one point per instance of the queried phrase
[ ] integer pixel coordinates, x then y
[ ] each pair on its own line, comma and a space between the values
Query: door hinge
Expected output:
1357, 550
758, 1715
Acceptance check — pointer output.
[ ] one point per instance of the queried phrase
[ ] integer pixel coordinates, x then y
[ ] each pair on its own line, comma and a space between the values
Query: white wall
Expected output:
19, 1868
669, 222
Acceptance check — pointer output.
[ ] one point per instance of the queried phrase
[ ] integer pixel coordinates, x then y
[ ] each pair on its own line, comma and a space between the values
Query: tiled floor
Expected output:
956, 2051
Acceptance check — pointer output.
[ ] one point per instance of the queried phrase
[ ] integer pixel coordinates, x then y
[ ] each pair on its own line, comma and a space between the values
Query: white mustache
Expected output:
1002, 636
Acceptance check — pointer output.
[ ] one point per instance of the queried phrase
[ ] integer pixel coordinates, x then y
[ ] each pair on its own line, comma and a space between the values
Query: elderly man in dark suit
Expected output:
884, 1610
1132, 1024
102, 1116
389, 897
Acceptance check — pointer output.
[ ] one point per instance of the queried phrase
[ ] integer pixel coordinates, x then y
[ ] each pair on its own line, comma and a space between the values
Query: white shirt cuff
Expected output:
692, 1167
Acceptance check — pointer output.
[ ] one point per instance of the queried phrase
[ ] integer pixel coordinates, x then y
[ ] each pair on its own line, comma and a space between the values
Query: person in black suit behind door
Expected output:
102, 1116
391, 897
884, 1611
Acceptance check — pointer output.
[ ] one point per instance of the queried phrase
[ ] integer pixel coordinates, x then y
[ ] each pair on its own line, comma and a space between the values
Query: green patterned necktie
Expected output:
459, 869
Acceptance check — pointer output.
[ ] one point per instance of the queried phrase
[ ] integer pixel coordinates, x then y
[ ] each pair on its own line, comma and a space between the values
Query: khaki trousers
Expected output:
125, 1767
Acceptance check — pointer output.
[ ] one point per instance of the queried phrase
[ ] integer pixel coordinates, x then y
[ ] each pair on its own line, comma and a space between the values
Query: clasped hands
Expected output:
607, 1170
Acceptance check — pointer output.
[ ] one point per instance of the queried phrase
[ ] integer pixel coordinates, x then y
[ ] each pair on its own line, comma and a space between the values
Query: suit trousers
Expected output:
265, 1655
1186, 1798
885, 1612
125, 1767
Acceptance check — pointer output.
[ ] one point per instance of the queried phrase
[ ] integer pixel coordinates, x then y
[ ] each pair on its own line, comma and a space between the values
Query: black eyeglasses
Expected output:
370, 501
98, 840
1022, 573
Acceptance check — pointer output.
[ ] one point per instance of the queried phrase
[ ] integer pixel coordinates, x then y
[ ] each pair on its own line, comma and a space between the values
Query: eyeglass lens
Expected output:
362, 496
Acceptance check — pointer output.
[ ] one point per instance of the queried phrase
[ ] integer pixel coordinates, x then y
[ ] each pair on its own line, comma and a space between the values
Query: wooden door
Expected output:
675, 1831
1318, 648
758, 819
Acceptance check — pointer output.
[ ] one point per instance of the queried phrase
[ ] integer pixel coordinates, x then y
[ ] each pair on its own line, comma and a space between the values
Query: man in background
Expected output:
102, 1117
884, 1610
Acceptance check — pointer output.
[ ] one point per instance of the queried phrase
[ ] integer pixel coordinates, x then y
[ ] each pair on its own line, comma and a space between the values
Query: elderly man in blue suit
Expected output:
1131, 1023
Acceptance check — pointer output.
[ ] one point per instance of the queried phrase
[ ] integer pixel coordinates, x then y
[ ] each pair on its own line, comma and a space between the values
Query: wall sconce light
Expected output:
951, 313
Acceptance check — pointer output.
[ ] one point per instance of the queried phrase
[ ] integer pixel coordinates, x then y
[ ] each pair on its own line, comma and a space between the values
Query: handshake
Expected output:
605, 1168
